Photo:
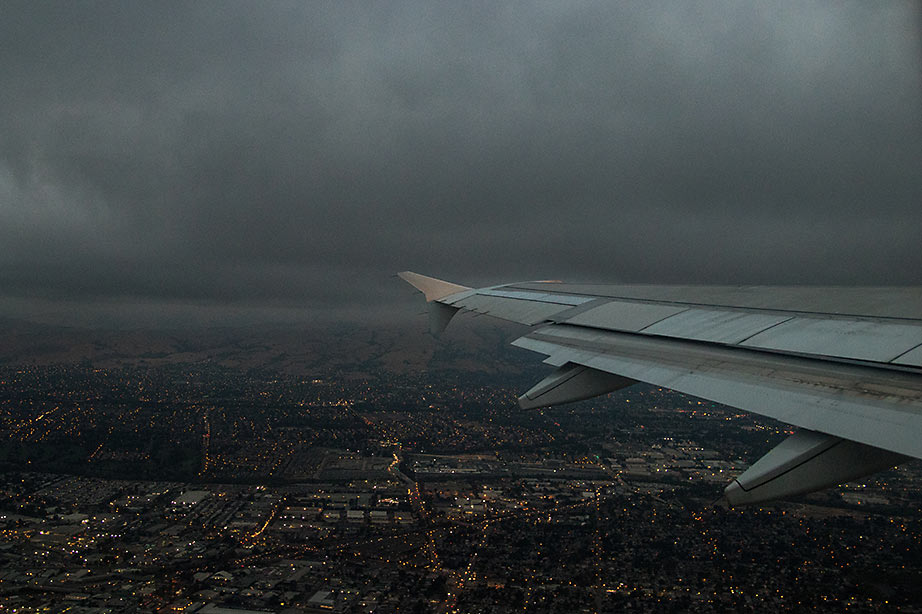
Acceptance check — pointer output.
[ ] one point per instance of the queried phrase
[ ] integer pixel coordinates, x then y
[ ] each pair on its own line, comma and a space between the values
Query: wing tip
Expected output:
434, 289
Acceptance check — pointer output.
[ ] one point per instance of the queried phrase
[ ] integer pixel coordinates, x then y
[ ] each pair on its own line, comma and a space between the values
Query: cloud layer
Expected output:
287, 158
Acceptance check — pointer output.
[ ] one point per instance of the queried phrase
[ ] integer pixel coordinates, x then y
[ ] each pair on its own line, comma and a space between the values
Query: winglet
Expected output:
433, 288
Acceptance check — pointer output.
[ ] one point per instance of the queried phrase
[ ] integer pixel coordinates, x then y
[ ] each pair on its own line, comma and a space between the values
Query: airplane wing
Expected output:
843, 364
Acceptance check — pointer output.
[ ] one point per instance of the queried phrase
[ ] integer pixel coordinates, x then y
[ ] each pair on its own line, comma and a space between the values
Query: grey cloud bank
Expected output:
282, 160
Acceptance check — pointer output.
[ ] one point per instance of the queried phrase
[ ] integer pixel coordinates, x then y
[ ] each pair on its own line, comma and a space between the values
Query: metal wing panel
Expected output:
540, 297
621, 315
451, 299
512, 309
473, 302
865, 404
715, 326
854, 339
540, 313
865, 302
751, 321
525, 312
912, 358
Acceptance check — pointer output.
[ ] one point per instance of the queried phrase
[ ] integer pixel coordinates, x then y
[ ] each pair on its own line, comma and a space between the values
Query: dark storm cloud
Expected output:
292, 156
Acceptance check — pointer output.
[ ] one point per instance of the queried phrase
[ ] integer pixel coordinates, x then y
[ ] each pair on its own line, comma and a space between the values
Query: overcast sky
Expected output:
224, 160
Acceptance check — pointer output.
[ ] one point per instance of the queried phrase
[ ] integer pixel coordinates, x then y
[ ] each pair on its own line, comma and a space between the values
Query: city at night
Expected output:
460, 307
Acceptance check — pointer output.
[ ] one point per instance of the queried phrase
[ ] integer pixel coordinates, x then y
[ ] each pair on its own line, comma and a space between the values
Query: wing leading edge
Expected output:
843, 364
